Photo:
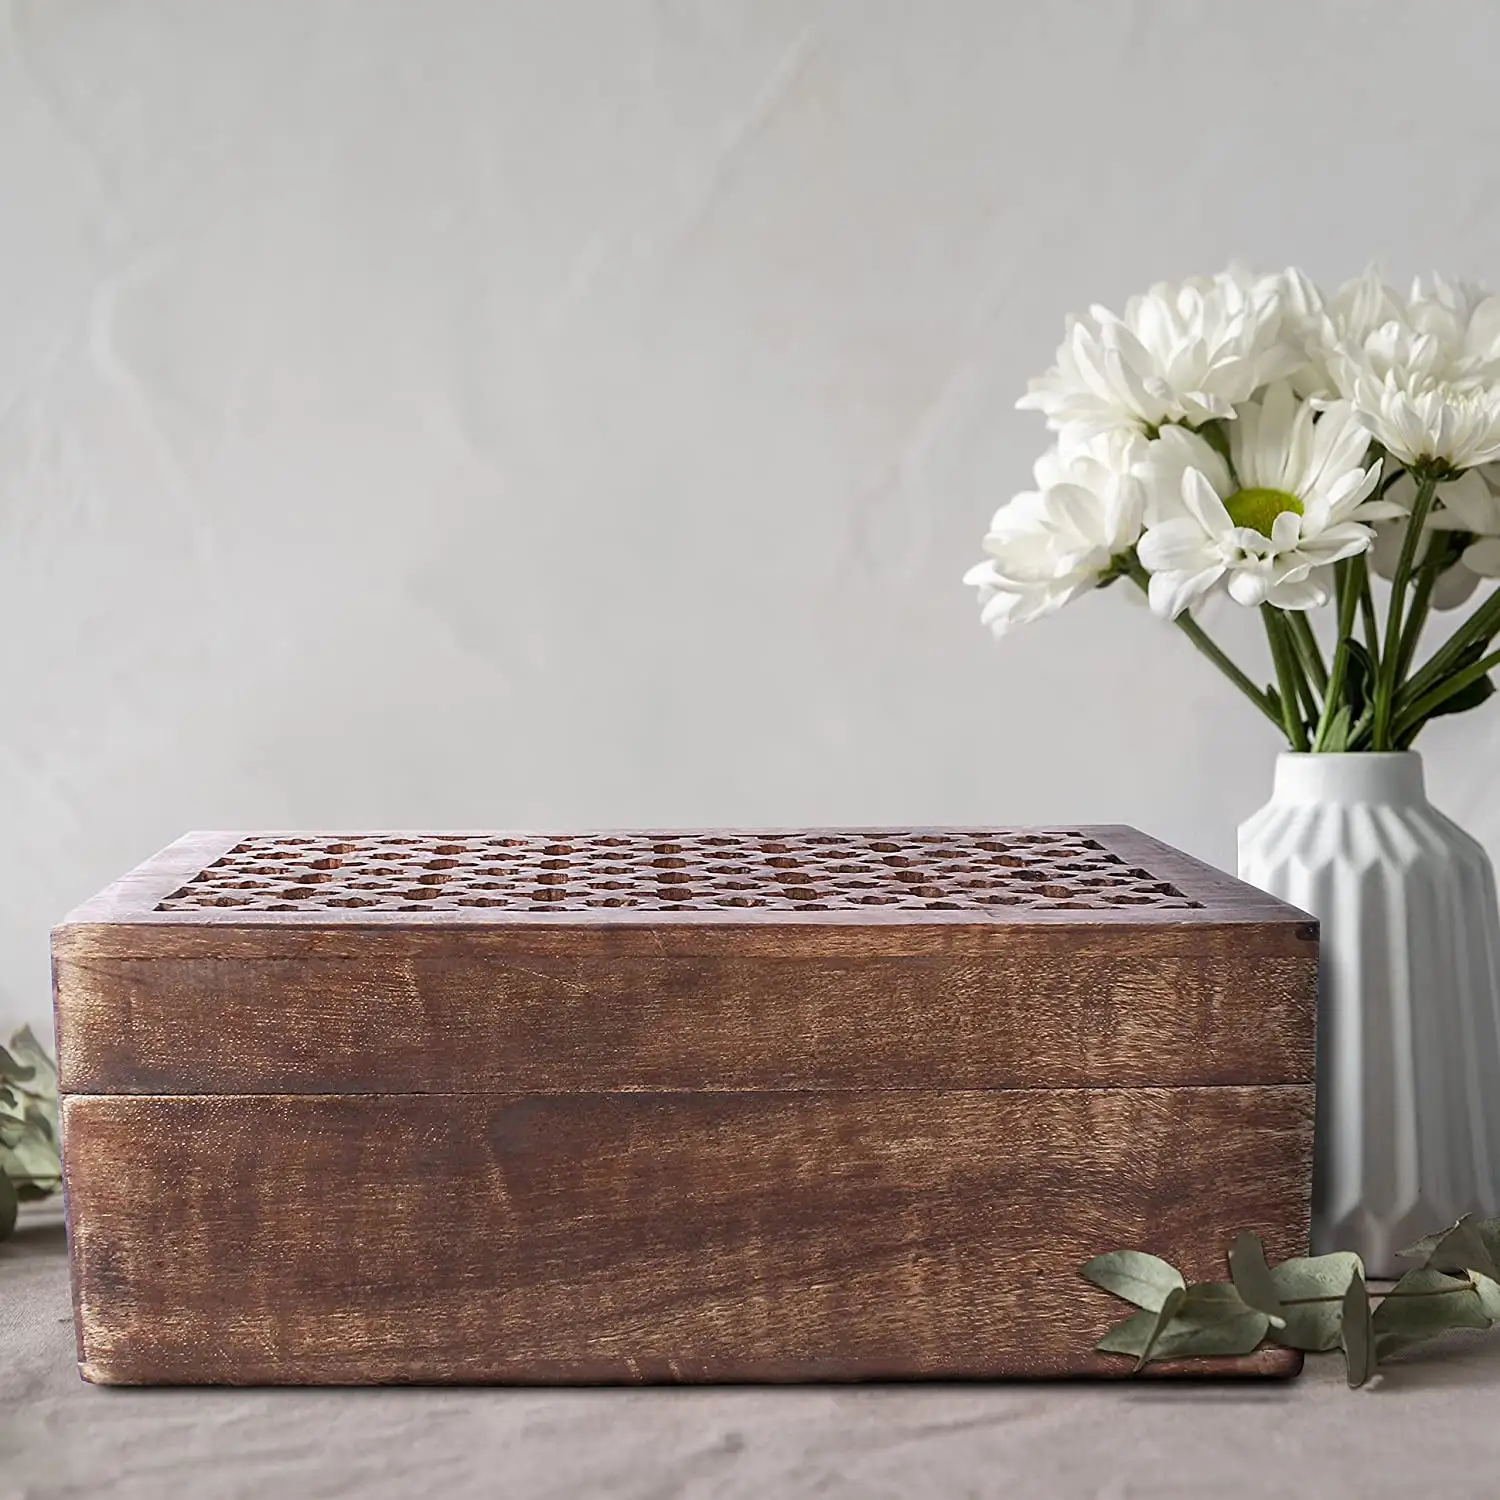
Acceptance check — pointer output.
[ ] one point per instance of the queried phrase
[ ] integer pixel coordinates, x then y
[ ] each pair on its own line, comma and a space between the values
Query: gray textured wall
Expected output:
582, 412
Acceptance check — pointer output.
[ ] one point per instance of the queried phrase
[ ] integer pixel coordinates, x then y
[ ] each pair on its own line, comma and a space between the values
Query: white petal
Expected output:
1249, 586
1280, 414
1203, 504
1301, 593
1455, 586
1340, 443
1376, 510
1483, 557
1074, 512
1124, 506
1468, 501
1286, 530
1335, 544
1176, 546
1171, 593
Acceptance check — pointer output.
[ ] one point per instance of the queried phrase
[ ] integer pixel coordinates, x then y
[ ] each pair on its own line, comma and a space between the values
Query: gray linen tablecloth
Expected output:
1432, 1423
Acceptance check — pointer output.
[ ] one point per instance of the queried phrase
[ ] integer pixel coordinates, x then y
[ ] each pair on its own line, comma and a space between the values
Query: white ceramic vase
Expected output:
1408, 1113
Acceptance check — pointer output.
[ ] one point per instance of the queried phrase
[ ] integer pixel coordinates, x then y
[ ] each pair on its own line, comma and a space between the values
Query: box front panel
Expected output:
652, 1236
521, 1009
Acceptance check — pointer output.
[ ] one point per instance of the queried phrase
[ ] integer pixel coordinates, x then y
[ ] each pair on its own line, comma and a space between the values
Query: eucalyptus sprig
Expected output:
1314, 1303
30, 1166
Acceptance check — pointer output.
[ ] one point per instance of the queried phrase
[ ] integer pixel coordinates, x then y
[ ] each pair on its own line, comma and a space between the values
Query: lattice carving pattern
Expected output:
837, 871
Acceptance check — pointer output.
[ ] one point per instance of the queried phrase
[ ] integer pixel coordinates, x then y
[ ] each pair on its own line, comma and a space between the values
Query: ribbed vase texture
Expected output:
1408, 1114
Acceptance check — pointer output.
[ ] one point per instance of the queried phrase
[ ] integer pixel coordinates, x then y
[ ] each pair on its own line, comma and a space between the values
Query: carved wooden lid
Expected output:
881, 875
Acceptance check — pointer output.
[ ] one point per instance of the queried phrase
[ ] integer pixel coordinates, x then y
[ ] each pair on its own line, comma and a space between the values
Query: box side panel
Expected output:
557, 1009
652, 1237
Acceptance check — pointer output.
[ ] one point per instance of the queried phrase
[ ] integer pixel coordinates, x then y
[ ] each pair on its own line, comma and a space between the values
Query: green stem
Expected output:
1479, 629
1445, 1291
1308, 650
1411, 716
1368, 619
1348, 598
1282, 653
1312, 707
1416, 618
1443, 550
1395, 619
1209, 648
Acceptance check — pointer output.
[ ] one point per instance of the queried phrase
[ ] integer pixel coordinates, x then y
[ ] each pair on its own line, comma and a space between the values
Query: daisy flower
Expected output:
1423, 423
1422, 371
1049, 545
1182, 352
1295, 501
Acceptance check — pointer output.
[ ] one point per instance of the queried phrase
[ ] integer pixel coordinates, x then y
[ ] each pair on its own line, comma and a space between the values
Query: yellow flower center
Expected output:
1258, 508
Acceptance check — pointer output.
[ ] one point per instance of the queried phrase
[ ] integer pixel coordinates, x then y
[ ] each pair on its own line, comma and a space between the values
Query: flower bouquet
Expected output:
1248, 435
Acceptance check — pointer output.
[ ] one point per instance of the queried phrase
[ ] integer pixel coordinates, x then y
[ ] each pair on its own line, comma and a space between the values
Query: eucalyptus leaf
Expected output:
1146, 1280
1160, 1319
1252, 1277
1129, 1335
1311, 1289
30, 1158
1464, 1247
1213, 1320
1356, 1333
1421, 1250
41, 1077
30, 1167
11, 1067
1423, 1304
1487, 1290
41, 1120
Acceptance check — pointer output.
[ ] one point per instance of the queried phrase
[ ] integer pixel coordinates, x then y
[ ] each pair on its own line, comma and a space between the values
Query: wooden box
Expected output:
662, 1106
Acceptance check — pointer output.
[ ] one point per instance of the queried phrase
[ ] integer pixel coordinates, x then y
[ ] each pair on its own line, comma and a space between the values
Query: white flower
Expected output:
1183, 352
1429, 422
1468, 505
1049, 545
1423, 371
1322, 326
1300, 504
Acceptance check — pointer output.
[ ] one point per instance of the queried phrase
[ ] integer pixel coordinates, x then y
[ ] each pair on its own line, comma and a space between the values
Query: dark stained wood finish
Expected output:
699, 1007
135, 899
323, 1145
639, 1237
486, 999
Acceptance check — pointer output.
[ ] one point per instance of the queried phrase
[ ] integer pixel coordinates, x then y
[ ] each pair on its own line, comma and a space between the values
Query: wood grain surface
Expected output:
808, 1119
526, 1009
663, 1236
